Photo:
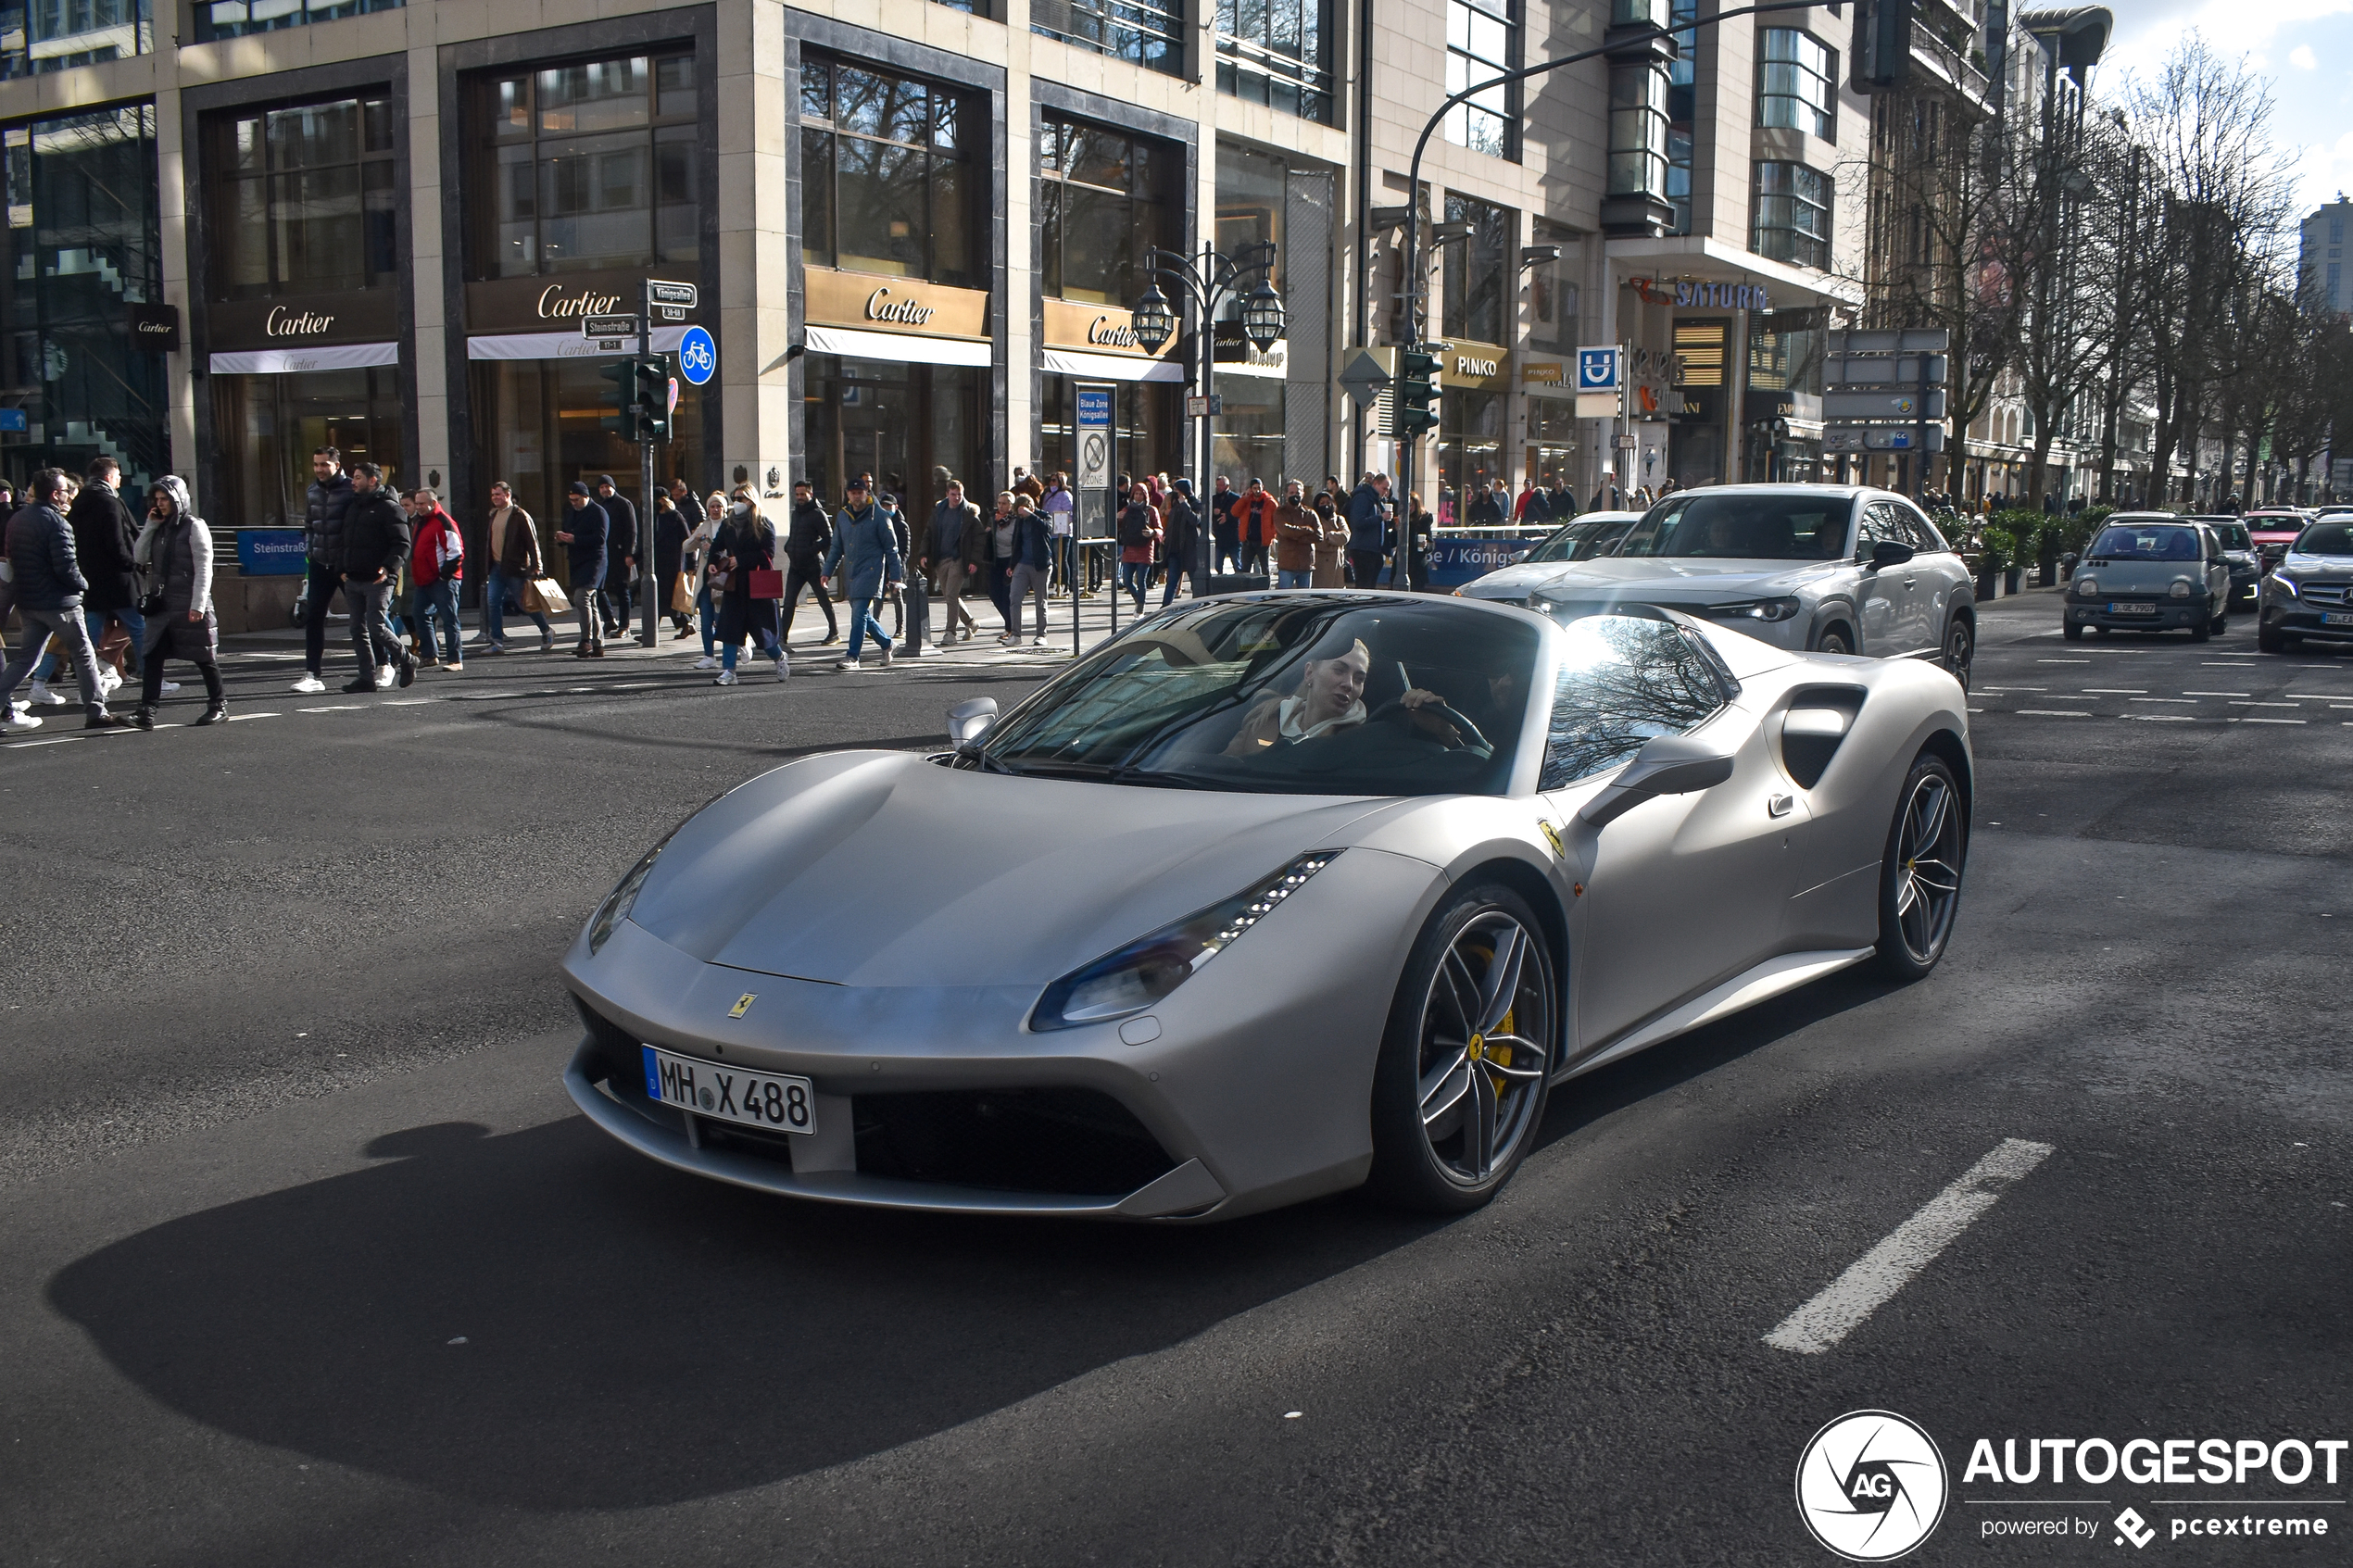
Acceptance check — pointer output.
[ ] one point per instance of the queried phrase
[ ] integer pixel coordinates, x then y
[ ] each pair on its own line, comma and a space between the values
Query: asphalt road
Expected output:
310, 1261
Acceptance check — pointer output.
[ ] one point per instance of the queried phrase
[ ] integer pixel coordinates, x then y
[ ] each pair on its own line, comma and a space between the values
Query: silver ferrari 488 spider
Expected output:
1271, 897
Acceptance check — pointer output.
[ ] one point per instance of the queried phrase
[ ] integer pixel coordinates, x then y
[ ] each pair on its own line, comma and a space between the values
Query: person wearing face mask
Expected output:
746, 544
175, 556
699, 547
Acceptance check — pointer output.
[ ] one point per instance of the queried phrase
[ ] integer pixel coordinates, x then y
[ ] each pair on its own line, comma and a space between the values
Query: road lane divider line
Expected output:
2252, 703
2053, 712
2252, 719
2188, 693
240, 718
2160, 717
1874, 1278
2062, 661
2187, 701
2114, 691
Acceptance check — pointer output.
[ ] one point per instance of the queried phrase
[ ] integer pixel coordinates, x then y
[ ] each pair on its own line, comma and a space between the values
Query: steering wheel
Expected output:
1463, 726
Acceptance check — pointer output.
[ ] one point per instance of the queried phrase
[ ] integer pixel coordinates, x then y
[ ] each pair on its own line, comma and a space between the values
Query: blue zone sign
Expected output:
1597, 369
269, 552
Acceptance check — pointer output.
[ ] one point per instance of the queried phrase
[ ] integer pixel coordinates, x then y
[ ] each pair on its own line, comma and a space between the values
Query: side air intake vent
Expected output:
1814, 727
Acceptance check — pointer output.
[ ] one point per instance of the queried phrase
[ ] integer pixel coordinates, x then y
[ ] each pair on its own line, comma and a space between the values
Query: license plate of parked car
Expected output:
2115, 608
776, 1101
2336, 617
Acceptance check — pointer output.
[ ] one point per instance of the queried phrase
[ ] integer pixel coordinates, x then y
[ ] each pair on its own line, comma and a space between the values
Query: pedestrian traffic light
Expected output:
623, 420
1882, 52
653, 399
1417, 399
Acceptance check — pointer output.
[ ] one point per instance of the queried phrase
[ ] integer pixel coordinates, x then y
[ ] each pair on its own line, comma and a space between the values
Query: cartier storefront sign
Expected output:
361, 316
551, 304
1100, 329
879, 304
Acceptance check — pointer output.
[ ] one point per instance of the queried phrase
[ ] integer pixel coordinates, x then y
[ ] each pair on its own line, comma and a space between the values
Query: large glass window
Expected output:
1105, 201
1150, 32
1636, 131
302, 199
1794, 214
902, 424
266, 427
1143, 436
43, 35
1277, 51
587, 167
1682, 112
234, 18
1794, 73
81, 244
1623, 682
887, 181
1482, 41
1552, 293
1745, 527
1481, 271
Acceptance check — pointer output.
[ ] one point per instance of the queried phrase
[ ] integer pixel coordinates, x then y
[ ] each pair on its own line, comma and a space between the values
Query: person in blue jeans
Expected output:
865, 542
514, 561
1140, 535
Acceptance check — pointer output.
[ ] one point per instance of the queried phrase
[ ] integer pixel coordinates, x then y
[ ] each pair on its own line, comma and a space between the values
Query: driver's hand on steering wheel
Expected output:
1435, 725
1416, 697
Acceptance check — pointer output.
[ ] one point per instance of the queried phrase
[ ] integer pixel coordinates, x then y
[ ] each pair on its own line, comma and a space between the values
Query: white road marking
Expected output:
338, 707
2113, 691
29, 744
1873, 1279
2053, 712
240, 718
2264, 705
2186, 701
2161, 718
2062, 661
2251, 719
407, 701
2187, 692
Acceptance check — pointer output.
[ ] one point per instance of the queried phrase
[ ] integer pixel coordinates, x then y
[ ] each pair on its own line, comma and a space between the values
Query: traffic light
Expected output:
623, 422
653, 399
1882, 52
1417, 387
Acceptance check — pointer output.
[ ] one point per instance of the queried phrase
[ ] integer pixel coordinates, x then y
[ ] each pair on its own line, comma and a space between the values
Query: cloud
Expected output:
2302, 58
2147, 31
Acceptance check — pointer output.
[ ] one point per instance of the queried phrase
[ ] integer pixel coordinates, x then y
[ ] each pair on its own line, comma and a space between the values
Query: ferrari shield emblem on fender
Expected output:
1552, 837
743, 1004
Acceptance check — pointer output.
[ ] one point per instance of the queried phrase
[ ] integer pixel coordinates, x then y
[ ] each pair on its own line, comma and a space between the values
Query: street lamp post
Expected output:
1209, 282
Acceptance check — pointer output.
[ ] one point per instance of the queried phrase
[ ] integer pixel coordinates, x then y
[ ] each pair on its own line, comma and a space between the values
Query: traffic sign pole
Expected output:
648, 634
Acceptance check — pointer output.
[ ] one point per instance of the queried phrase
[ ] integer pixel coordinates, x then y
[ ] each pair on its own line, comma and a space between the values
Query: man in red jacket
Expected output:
1254, 526
436, 567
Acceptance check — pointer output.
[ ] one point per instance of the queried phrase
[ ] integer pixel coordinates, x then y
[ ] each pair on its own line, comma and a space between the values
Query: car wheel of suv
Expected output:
1919, 884
1960, 647
1833, 642
2072, 631
2268, 638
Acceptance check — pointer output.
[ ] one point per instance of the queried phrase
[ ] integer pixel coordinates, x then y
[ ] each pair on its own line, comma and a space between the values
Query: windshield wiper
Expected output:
1107, 773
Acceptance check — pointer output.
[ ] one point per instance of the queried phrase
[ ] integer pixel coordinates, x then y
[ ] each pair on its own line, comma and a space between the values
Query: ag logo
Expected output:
1871, 1485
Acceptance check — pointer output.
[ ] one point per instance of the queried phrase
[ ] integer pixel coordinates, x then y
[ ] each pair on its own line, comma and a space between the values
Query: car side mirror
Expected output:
970, 720
1887, 552
1666, 765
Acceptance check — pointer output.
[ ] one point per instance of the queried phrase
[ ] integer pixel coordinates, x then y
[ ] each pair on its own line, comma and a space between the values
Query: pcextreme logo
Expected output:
1871, 1485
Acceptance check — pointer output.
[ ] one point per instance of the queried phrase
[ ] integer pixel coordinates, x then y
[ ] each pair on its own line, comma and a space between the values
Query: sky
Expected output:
2303, 47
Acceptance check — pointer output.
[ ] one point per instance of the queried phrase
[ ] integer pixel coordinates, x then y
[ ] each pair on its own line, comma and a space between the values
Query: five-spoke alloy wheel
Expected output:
1461, 1083
1920, 877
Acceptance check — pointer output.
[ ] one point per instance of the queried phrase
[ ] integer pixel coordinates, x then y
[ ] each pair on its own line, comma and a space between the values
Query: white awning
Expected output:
293, 361
1107, 366
566, 345
898, 348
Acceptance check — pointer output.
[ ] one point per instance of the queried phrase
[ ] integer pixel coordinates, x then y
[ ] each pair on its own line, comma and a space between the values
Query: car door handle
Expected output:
1780, 805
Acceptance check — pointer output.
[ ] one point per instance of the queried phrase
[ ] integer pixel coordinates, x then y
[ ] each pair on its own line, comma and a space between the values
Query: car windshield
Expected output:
1304, 694
2326, 539
1581, 540
1743, 527
2144, 541
2233, 536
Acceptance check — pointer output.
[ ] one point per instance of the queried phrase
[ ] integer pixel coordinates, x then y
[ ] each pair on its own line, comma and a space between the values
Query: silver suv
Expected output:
1825, 568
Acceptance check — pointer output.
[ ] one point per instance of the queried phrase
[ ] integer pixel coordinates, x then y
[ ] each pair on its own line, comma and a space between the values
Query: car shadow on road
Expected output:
541, 1320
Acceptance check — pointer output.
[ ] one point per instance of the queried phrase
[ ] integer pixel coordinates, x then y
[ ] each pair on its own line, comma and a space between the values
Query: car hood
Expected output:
883, 868
1513, 583
2322, 568
1681, 580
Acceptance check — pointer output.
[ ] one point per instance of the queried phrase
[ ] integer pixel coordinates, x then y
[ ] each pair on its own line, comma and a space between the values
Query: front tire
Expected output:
1834, 641
1467, 1060
2269, 638
1919, 884
2072, 631
1960, 649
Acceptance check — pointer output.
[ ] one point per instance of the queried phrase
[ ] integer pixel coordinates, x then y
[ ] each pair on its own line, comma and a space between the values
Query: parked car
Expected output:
1825, 568
2309, 594
1591, 534
2272, 529
2246, 561
2150, 571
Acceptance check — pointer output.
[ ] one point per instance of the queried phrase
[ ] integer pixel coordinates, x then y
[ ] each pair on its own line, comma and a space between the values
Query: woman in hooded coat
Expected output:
174, 561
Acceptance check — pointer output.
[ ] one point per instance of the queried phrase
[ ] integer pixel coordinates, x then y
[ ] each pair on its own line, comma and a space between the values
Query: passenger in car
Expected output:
1329, 698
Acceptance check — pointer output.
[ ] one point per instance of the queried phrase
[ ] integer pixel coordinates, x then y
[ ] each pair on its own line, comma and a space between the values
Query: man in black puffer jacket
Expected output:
323, 514
375, 541
50, 586
105, 534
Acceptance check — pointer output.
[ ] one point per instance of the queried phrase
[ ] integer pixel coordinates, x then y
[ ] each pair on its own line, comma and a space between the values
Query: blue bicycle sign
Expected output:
698, 356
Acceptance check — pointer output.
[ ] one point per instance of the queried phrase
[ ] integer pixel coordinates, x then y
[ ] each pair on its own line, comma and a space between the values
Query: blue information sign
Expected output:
269, 552
698, 356
1597, 369
1457, 558
13, 419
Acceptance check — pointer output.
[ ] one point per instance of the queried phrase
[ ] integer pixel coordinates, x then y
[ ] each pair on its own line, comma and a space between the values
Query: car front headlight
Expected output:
2285, 581
2180, 589
2087, 587
1138, 975
623, 897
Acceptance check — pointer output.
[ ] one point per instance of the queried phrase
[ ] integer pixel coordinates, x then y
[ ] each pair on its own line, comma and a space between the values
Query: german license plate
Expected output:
2336, 617
2116, 609
774, 1101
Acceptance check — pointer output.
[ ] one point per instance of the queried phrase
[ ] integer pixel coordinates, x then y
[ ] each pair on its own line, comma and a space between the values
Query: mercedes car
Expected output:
1270, 897
2310, 596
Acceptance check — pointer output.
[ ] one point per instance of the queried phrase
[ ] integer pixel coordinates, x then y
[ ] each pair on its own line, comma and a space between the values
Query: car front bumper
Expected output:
1255, 1089
2295, 619
2171, 615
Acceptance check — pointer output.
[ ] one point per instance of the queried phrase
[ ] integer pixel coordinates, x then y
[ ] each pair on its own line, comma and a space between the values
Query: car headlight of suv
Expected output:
2285, 581
2087, 587
1134, 977
2180, 589
1759, 609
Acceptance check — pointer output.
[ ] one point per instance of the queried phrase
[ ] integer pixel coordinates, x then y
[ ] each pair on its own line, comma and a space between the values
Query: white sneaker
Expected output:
385, 676
727, 678
783, 668
107, 681
171, 685
1038, 642
40, 696
12, 720
846, 664
705, 662
886, 656
310, 685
